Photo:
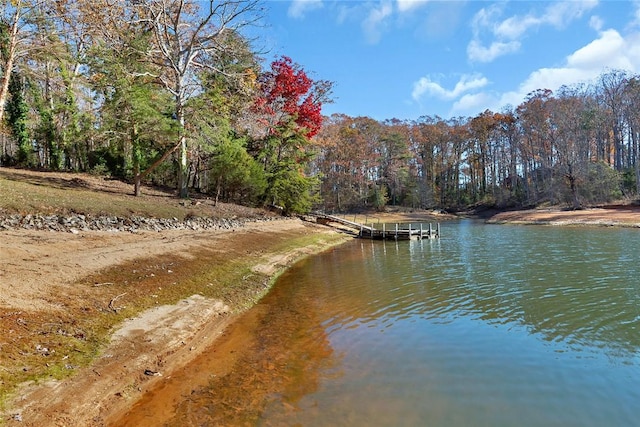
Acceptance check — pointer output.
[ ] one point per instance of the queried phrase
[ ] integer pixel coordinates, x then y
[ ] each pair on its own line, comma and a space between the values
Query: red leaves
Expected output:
288, 94
290, 84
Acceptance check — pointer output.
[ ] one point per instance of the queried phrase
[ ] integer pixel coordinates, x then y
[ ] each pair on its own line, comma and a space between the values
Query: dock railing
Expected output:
398, 231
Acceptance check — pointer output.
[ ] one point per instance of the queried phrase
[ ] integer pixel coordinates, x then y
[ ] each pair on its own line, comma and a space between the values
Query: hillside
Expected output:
59, 193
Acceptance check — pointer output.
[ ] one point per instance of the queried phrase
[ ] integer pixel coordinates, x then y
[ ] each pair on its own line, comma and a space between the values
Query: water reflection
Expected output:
490, 325
577, 286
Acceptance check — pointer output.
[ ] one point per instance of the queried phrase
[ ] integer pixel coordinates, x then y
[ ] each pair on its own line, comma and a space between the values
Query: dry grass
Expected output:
24, 191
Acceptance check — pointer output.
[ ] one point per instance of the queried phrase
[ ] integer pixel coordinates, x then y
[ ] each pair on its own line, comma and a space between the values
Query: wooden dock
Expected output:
383, 231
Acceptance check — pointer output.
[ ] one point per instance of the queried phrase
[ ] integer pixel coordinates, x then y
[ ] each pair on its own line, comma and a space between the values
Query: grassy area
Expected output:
26, 197
29, 192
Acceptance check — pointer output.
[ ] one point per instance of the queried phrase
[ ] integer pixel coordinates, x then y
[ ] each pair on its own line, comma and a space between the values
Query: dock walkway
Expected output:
397, 231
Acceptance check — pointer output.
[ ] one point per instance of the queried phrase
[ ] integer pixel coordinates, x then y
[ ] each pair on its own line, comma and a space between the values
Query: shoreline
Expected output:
46, 271
624, 216
157, 341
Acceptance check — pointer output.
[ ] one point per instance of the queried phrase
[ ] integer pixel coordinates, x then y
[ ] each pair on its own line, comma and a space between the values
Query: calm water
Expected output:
488, 326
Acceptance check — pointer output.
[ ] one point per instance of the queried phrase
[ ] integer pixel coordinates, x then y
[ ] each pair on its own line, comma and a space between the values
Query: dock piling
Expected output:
400, 232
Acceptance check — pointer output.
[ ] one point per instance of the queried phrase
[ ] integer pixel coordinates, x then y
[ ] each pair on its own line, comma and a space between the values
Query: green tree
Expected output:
289, 105
136, 117
216, 118
188, 37
285, 155
235, 175
17, 110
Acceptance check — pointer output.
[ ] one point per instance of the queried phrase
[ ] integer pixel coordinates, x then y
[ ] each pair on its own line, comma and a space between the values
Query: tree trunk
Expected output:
140, 176
218, 191
136, 184
11, 56
183, 171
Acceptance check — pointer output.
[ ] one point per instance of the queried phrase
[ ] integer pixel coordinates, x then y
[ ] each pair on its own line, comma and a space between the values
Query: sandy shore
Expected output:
614, 215
39, 276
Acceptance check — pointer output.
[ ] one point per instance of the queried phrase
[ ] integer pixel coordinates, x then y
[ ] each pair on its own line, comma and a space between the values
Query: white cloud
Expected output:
476, 52
409, 5
377, 17
609, 51
506, 33
472, 103
636, 15
375, 22
299, 8
426, 86
559, 14
486, 18
514, 27
596, 23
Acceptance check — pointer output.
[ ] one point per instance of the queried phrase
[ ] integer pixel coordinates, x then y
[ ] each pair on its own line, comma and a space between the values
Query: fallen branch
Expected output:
115, 309
102, 284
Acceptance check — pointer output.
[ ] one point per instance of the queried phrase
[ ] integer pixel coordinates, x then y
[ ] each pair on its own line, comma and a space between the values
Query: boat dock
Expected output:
383, 231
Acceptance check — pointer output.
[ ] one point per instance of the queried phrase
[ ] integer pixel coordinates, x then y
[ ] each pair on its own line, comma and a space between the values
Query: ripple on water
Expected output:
490, 326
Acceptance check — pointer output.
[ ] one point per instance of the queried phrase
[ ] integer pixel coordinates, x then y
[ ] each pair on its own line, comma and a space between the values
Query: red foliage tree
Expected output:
289, 95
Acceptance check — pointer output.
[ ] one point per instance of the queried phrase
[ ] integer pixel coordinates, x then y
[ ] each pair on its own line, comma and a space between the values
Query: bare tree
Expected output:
189, 36
16, 34
612, 86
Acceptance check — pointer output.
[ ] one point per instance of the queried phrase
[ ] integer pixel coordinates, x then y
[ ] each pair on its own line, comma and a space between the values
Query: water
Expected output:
488, 326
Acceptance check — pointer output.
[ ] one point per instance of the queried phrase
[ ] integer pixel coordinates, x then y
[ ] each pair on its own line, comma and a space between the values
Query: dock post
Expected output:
372, 230
409, 231
438, 229
361, 231
420, 231
396, 231
383, 231
430, 232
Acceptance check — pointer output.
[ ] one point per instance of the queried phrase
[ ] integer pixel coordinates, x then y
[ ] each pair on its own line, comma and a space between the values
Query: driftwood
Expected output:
114, 299
103, 284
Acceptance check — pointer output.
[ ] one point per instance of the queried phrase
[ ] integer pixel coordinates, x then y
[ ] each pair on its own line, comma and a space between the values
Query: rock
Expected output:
78, 222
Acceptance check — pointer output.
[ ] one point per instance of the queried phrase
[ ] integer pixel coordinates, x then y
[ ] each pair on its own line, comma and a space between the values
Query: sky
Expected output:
404, 59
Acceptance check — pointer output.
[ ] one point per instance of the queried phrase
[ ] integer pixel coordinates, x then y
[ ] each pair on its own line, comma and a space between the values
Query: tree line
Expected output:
173, 92
164, 91
576, 147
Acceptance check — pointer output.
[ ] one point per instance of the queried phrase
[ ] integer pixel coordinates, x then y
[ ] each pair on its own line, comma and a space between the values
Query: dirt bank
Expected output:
60, 289
613, 215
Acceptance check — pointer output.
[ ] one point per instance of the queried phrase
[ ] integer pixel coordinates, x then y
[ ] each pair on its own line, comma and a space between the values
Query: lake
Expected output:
491, 325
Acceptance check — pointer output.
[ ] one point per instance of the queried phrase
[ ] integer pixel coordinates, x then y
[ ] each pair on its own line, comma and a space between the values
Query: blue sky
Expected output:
409, 58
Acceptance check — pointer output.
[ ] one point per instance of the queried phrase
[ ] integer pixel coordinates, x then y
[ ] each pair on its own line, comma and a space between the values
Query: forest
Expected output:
178, 93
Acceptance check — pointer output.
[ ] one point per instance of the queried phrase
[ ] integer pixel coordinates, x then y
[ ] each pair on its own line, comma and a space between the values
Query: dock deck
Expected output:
383, 231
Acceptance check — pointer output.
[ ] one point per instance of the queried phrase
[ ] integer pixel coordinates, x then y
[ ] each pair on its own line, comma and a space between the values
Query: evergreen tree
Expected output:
17, 110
